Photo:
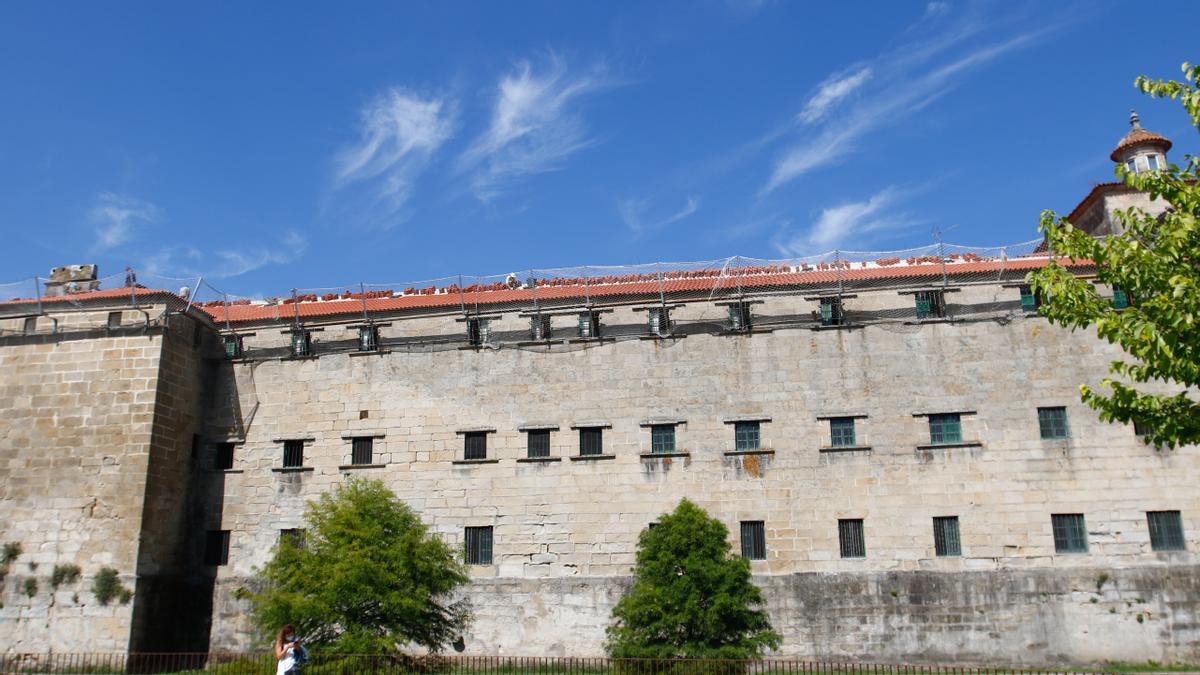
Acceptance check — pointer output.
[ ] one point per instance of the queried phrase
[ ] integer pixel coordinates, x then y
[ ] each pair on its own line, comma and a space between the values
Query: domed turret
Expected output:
1141, 150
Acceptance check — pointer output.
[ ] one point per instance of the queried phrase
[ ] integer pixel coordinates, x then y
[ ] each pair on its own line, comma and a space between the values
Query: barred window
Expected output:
945, 536
740, 316
850, 538
930, 304
754, 540
658, 320
362, 450
539, 443
746, 436
945, 428
301, 343
662, 438
295, 537
1070, 533
539, 327
224, 458
841, 432
479, 545
1030, 301
1141, 428
30, 326
1166, 530
1053, 422
589, 325
1120, 298
475, 445
591, 441
368, 338
478, 332
216, 548
831, 311
114, 320
293, 454
233, 346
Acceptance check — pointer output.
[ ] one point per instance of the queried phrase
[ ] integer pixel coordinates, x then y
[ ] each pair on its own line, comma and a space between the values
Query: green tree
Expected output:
691, 597
368, 577
1156, 262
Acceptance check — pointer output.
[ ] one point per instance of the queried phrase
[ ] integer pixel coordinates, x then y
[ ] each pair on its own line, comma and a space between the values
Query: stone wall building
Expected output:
898, 446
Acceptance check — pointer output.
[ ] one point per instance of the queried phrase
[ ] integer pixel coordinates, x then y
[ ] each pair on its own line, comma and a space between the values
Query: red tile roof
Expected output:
598, 289
1139, 136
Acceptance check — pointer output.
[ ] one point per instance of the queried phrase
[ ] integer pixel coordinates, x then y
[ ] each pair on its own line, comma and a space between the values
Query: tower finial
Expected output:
1134, 120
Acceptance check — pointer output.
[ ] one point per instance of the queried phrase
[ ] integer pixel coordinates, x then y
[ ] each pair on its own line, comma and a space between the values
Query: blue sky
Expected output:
277, 145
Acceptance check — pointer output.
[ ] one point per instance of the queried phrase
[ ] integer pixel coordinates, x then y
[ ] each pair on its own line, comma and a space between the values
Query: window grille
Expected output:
1070, 533
746, 436
1030, 301
216, 548
479, 545
475, 445
930, 304
754, 540
1141, 428
224, 456
539, 443
477, 332
1120, 298
841, 432
850, 538
301, 343
368, 338
362, 450
1052, 422
539, 327
589, 325
591, 441
30, 325
295, 537
114, 320
945, 428
233, 346
1166, 530
659, 320
945, 536
293, 454
831, 311
739, 316
662, 438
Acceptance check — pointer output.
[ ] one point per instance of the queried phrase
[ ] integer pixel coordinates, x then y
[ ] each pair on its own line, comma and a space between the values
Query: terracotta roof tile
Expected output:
1139, 136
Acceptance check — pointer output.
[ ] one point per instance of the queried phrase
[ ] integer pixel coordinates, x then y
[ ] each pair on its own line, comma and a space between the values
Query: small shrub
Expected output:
126, 596
75, 598
107, 586
64, 574
12, 551
1101, 580
1141, 619
33, 565
1094, 600
31, 587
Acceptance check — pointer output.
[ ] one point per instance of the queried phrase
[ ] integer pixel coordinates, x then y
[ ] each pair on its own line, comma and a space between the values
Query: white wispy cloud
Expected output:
937, 8
833, 89
116, 217
854, 221
633, 210
399, 131
188, 261
911, 85
534, 127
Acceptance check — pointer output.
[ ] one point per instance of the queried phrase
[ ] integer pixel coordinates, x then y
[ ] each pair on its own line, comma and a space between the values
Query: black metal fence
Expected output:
372, 664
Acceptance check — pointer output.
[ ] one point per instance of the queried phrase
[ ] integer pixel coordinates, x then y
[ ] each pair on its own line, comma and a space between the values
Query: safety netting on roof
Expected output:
547, 291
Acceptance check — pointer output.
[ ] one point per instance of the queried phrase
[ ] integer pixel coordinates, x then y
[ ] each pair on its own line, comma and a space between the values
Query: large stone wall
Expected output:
565, 531
75, 438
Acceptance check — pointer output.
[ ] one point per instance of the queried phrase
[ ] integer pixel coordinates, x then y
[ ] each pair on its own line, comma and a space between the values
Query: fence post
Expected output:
587, 296
192, 296
462, 305
362, 295
941, 256
295, 311
225, 296
37, 289
837, 265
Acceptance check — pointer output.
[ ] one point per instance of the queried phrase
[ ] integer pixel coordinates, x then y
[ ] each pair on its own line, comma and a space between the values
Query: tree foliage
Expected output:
368, 577
691, 597
1156, 262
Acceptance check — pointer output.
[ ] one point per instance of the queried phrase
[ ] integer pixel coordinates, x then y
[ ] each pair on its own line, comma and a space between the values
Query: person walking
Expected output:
289, 652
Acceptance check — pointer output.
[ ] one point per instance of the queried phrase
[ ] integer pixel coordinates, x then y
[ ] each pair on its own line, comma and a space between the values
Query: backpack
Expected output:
300, 656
